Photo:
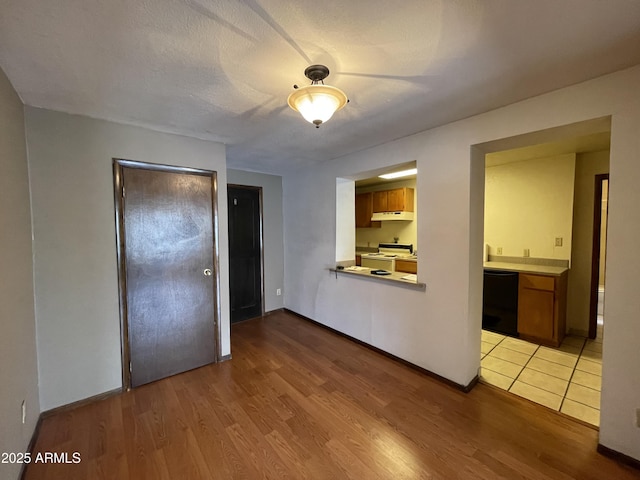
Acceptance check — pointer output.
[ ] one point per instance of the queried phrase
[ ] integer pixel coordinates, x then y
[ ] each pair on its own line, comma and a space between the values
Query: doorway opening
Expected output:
557, 366
246, 269
598, 259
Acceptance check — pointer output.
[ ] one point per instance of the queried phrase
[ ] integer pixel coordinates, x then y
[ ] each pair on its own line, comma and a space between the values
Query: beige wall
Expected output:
18, 361
528, 204
407, 232
587, 166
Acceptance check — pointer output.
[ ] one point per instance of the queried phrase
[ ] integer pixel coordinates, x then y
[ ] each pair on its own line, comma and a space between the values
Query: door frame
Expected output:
260, 209
595, 253
118, 165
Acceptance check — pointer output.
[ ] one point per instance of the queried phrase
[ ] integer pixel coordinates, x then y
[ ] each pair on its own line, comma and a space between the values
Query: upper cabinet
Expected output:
380, 201
396, 200
364, 211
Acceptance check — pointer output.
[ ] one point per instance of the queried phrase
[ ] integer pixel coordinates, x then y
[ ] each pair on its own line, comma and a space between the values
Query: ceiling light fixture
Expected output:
403, 173
317, 102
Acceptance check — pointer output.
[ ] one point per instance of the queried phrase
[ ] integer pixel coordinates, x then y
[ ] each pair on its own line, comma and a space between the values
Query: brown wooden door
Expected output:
169, 262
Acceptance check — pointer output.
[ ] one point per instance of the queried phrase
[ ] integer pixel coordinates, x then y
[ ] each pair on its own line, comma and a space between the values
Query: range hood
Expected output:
379, 216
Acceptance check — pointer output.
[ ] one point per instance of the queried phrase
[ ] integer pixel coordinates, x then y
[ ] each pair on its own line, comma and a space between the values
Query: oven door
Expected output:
375, 263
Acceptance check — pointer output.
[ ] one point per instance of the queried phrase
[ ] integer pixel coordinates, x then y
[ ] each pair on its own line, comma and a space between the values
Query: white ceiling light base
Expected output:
317, 102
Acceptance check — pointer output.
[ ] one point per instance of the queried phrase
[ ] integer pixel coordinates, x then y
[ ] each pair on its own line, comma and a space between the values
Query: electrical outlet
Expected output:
24, 412
499, 250
638, 417
278, 291
525, 253
558, 241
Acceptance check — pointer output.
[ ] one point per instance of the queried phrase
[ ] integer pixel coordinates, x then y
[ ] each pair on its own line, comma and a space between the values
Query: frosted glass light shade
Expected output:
317, 103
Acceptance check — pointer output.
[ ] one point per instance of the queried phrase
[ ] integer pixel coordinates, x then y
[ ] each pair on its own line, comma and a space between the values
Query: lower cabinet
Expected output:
406, 266
542, 308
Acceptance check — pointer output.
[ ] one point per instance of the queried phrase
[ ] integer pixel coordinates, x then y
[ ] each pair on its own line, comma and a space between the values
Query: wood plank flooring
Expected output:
300, 402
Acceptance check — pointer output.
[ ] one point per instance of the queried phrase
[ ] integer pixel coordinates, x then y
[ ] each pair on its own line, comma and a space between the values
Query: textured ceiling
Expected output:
222, 70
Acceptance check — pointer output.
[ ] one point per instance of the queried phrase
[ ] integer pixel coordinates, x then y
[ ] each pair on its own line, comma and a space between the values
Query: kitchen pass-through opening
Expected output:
376, 219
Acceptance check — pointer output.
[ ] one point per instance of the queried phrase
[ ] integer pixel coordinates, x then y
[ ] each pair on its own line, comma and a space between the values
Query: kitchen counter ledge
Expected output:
526, 268
394, 279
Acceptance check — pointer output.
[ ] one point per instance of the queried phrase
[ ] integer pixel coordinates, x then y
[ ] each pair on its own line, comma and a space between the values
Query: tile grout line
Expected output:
525, 366
531, 356
564, 397
585, 386
499, 373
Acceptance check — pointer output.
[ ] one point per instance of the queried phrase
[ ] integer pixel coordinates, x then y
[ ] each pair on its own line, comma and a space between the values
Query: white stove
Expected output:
385, 258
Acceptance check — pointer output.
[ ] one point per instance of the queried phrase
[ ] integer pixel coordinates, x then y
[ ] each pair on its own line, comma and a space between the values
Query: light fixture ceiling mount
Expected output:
316, 73
317, 102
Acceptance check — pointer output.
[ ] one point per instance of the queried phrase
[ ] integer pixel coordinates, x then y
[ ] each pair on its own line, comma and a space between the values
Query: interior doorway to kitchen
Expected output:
565, 377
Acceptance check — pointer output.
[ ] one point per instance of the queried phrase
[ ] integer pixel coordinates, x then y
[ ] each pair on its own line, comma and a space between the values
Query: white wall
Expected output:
18, 360
579, 288
77, 315
345, 220
528, 204
440, 329
272, 231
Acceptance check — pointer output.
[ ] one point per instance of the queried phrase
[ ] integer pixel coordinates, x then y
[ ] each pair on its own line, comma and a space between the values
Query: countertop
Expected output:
412, 258
394, 277
526, 268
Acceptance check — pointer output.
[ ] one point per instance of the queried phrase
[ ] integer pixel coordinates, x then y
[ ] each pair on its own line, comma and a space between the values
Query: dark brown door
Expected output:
245, 252
169, 262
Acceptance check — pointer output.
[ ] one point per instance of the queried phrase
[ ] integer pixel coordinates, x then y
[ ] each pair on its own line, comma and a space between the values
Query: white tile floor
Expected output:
566, 379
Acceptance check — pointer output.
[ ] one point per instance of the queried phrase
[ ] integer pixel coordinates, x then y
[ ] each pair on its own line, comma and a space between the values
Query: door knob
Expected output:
207, 272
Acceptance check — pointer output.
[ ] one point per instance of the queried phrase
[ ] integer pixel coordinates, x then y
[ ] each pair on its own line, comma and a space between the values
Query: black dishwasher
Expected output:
500, 302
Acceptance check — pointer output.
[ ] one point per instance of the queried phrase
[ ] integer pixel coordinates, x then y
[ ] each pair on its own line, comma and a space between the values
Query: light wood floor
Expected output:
300, 402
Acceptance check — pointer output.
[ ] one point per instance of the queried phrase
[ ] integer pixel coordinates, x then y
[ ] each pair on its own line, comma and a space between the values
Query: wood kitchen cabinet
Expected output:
400, 200
364, 211
406, 266
380, 201
396, 200
542, 308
